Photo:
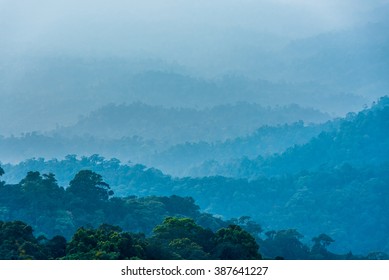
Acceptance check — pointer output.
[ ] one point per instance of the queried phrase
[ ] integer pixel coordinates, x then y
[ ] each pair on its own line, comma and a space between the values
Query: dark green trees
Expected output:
181, 238
43, 187
89, 185
234, 243
56, 247
184, 239
36, 200
285, 244
105, 243
18, 243
319, 248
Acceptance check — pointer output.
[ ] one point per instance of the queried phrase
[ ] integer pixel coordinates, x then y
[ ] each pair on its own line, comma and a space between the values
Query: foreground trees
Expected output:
172, 227
175, 238
105, 243
17, 242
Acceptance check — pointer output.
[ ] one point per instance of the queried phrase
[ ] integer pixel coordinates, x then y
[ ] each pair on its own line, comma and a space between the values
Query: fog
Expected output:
54, 55
172, 29
278, 106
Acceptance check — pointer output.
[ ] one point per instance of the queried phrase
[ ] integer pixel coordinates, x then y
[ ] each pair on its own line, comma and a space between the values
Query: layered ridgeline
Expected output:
56, 90
188, 159
50, 88
361, 140
178, 125
336, 183
152, 134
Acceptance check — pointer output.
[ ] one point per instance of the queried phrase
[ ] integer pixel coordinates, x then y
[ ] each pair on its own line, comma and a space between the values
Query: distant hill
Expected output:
53, 91
182, 159
353, 60
334, 72
361, 139
179, 125
147, 134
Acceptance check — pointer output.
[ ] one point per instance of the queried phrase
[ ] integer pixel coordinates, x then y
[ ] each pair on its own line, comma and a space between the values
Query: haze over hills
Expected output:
360, 140
343, 182
187, 159
335, 64
147, 134
244, 108
179, 125
57, 91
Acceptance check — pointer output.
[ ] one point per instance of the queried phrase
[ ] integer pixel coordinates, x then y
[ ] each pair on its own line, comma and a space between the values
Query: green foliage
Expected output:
18, 243
109, 242
175, 238
174, 232
89, 185
338, 198
56, 247
285, 244
39, 201
320, 244
105, 243
247, 224
234, 243
183, 238
186, 249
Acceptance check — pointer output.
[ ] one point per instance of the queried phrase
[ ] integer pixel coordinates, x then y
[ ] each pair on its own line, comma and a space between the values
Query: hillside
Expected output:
55, 90
345, 202
150, 134
96, 224
361, 139
178, 125
184, 159
340, 177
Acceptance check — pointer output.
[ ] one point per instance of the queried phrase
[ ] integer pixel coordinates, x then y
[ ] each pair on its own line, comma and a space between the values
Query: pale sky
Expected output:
101, 25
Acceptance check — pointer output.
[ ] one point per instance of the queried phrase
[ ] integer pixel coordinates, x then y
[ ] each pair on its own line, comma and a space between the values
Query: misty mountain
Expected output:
249, 108
55, 90
339, 65
151, 134
176, 160
362, 139
353, 60
35, 145
178, 125
341, 176
182, 159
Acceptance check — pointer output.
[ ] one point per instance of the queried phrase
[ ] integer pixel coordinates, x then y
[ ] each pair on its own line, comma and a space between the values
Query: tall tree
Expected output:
89, 185
233, 243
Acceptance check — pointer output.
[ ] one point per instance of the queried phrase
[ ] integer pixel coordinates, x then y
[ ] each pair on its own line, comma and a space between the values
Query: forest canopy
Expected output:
98, 225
